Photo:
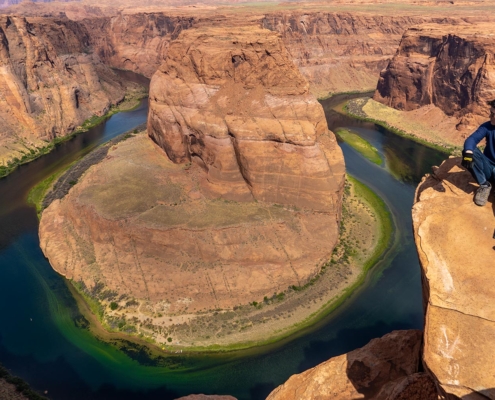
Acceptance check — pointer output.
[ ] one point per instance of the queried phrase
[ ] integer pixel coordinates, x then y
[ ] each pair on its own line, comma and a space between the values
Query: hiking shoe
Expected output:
481, 196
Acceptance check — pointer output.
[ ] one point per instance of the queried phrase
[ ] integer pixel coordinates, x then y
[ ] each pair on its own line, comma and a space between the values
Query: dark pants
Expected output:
483, 168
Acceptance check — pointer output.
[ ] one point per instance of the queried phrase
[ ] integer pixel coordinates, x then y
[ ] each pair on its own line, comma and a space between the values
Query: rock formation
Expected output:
233, 102
450, 67
50, 82
455, 242
241, 200
386, 368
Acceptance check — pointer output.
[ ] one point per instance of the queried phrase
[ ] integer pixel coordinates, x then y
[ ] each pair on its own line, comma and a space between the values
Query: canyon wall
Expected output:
449, 67
335, 51
50, 82
233, 102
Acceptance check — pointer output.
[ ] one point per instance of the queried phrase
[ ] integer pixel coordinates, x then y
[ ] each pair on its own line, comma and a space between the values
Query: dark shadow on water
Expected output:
60, 380
261, 390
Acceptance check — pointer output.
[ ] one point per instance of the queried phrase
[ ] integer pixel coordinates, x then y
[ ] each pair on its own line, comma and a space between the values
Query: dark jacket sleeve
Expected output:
476, 137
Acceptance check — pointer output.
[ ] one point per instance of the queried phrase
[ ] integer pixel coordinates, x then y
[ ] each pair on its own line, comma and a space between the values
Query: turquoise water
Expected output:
42, 341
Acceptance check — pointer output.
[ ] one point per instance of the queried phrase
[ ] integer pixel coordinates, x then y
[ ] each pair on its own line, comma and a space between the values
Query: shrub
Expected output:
113, 305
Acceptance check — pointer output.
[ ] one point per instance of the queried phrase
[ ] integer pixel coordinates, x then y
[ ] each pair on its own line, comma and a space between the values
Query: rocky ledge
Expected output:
240, 199
455, 243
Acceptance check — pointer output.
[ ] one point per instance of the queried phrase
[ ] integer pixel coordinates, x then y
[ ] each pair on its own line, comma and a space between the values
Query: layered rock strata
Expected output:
240, 200
50, 82
335, 51
455, 242
386, 368
448, 67
233, 102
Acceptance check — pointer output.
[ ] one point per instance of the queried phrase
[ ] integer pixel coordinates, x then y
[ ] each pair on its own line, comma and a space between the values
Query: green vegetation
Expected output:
360, 145
350, 92
33, 154
38, 192
113, 306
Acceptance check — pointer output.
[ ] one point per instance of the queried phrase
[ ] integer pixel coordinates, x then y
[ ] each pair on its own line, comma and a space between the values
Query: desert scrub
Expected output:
359, 144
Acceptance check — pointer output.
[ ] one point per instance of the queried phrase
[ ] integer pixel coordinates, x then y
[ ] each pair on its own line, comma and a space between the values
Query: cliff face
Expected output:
233, 102
455, 247
338, 52
452, 71
49, 81
334, 51
191, 224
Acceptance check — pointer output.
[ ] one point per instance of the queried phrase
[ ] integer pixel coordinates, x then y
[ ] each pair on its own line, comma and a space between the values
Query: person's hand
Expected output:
467, 159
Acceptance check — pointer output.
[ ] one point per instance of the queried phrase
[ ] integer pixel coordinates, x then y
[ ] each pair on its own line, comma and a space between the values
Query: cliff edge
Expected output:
455, 244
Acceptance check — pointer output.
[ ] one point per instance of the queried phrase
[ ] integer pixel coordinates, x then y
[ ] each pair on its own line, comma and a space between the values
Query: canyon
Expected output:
335, 50
220, 124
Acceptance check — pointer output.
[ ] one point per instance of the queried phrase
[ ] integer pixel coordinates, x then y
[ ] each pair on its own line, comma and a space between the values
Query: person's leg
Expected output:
482, 169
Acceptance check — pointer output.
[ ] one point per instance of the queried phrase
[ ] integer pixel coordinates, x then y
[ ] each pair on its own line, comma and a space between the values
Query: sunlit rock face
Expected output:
50, 82
455, 244
232, 101
450, 67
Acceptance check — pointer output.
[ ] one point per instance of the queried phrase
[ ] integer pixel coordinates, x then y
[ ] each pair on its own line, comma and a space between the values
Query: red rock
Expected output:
448, 66
233, 102
386, 368
454, 238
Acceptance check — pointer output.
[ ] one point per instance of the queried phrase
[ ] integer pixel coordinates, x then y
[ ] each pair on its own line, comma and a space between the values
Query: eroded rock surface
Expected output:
455, 242
449, 67
386, 368
232, 101
49, 82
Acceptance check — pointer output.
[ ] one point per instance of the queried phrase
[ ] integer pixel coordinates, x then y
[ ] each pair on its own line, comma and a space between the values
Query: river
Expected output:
42, 342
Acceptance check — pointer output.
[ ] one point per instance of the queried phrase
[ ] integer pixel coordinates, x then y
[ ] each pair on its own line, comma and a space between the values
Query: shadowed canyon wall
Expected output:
449, 67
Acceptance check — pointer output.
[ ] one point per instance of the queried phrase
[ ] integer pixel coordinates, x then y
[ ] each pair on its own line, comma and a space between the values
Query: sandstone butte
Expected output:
241, 200
455, 244
49, 82
446, 68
